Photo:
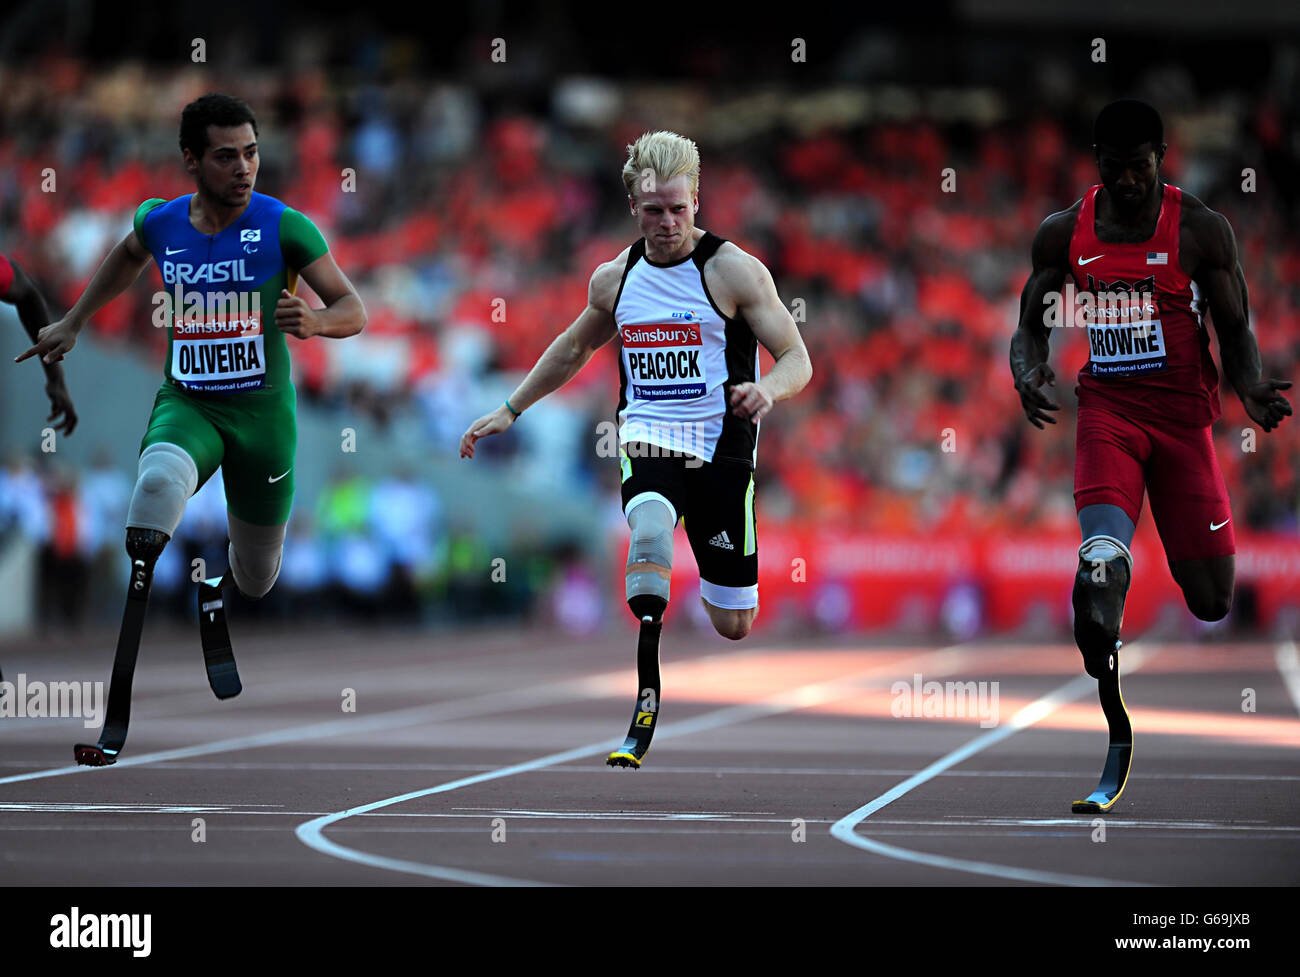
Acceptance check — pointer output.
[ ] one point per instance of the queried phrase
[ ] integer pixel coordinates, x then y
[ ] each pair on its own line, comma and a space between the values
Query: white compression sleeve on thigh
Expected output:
166, 479
255, 553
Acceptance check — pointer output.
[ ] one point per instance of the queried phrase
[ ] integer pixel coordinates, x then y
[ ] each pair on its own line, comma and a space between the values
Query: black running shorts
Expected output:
715, 501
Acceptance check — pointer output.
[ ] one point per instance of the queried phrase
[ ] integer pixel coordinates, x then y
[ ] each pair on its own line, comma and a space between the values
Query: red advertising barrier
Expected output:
989, 582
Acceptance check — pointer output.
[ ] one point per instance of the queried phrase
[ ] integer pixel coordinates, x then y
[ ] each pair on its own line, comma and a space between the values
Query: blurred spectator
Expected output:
105, 497
64, 567
23, 506
405, 517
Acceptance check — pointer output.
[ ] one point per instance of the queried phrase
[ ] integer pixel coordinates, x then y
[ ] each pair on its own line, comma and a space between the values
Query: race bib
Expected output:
1124, 336
664, 361
219, 353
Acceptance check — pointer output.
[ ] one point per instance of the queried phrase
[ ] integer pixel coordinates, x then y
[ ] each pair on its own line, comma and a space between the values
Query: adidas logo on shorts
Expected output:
722, 542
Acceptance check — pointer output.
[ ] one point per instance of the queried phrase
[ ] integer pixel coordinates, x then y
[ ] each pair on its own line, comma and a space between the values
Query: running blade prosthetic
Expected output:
642, 729
218, 657
1119, 754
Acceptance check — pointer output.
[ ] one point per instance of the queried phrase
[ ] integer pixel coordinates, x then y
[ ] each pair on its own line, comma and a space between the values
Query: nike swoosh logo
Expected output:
1213, 527
1082, 262
177, 251
278, 477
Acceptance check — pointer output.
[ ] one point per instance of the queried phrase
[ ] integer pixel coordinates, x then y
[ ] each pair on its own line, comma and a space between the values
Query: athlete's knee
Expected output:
649, 558
255, 554
1207, 585
1212, 606
734, 627
167, 478
733, 623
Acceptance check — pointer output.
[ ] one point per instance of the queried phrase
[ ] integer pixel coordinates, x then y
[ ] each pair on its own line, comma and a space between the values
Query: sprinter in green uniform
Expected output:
230, 260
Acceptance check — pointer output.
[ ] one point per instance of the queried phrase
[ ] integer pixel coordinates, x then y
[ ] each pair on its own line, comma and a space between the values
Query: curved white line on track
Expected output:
311, 833
844, 828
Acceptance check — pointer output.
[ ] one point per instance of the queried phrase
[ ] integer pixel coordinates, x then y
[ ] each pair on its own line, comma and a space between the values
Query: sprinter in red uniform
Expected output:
20, 291
1152, 258
1145, 260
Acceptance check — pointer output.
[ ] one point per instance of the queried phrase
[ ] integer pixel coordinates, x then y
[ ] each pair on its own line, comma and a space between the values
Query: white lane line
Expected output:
734, 817
844, 828
550, 693
487, 704
52, 807
311, 833
709, 771
1288, 663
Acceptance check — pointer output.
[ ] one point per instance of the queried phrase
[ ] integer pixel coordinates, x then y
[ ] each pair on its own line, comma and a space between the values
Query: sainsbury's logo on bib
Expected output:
220, 351
663, 360
684, 334
1125, 337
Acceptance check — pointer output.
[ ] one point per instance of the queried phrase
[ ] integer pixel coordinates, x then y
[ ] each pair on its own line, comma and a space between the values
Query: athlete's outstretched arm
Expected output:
122, 266
563, 359
344, 314
1029, 343
750, 284
34, 316
1219, 275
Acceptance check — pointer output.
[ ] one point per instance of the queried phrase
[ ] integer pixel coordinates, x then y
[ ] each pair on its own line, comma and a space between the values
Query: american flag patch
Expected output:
1157, 257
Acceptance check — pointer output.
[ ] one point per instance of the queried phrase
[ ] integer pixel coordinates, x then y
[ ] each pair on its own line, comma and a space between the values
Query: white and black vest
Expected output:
679, 357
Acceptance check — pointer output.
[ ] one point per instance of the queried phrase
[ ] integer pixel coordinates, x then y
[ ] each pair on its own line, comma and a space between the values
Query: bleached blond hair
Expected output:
667, 154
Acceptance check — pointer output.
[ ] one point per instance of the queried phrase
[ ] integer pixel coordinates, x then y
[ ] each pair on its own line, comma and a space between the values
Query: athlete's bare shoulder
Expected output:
1051, 247
1063, 218
1052, 239
1204, 235
736, 278
736, 269
1198, 216
732, 259
603, 289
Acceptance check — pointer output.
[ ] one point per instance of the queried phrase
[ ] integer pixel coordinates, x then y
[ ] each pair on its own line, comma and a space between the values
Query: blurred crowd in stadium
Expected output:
471, 231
